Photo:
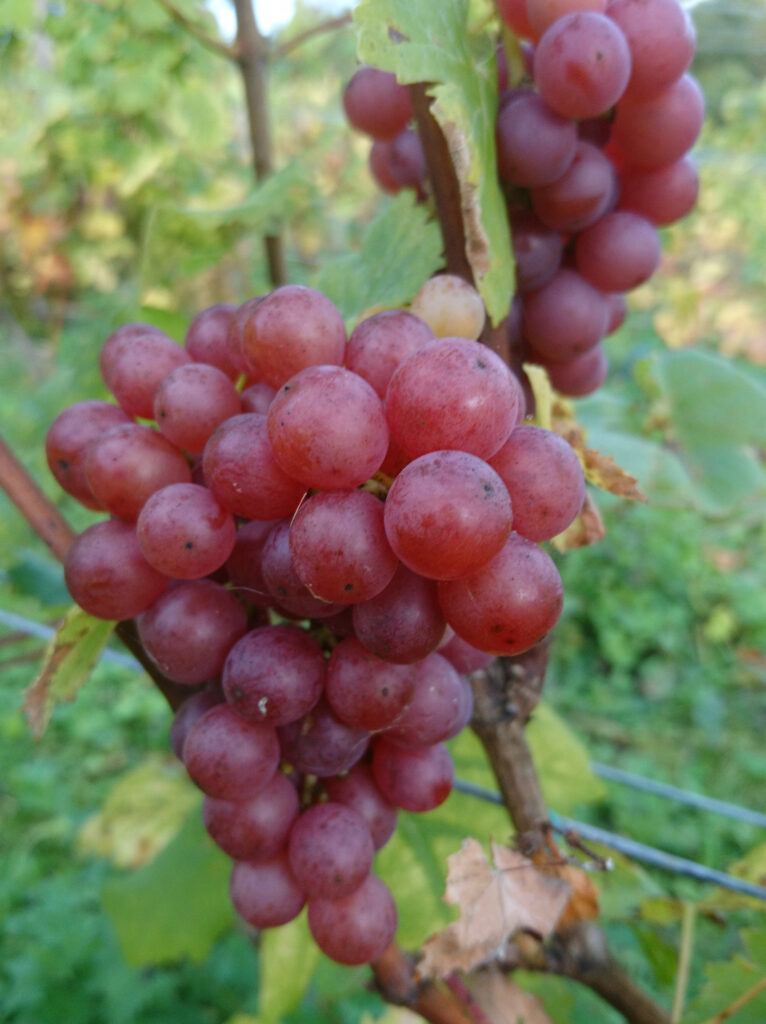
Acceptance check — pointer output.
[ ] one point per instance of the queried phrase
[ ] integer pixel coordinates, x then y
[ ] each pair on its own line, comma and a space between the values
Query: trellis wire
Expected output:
630, 847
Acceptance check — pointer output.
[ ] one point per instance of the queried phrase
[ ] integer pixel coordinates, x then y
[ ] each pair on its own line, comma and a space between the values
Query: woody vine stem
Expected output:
506, 693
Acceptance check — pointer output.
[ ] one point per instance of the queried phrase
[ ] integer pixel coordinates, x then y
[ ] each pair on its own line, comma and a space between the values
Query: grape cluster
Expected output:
330, 545
592, 154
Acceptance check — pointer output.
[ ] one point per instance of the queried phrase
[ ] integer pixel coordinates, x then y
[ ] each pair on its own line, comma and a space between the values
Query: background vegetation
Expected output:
126, 193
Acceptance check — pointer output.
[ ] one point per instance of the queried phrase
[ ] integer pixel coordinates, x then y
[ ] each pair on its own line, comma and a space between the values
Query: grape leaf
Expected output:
495, 902
142, 813
288, 957
562, 762
177, 905
69, 658
400, 250
729, 982
430, 41
587, 528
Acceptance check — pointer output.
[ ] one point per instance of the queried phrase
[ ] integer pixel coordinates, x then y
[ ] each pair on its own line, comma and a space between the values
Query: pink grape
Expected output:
543, 13
404, 623
67, 441
355, 929
582, 65
414, 778
274, 675
619, 252
190, 629
585, 192
282, 581
191, 402
446, 514
192, 709
256, 829
545, 480
126, 464
138, 367
659, 130
327, 428
514, 14
290, 329
184, 532
244, 563
235, 337
358, 791
380, 166
381, 342
564, 318
207, 339
243, 474
662, 195
579, 376
509, 604
229, 758
121, 339
330, 850
107, 574
257, 398
363, 690
452, 393
339, 546
320, 744
537, 249
618, 311
464, 657
660, 35
435, 707
535, 145
376, 104
265, 893
465, 710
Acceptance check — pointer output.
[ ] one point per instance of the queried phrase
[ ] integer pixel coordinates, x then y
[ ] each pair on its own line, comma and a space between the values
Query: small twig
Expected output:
684, 962
744, 999
396, 982
216, 45
302, 37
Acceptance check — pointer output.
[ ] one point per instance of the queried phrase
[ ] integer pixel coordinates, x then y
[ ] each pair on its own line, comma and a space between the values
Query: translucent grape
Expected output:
660, 35
381, 342
207, 339
138, 367
659, 130
257, 398
663, 195
543, 13
450, 306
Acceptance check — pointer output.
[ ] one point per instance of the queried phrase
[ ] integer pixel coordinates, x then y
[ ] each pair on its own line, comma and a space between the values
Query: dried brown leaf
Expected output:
502, 1001
587, 528
494, 903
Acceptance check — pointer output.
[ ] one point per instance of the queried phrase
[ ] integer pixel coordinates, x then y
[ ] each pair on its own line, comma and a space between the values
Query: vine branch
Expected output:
435, 1002
329, 25
216, 45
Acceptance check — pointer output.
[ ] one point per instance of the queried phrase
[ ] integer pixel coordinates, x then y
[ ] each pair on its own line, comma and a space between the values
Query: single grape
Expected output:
235, 338
450, 306
358, 791
618, 311
108, 576
381, 342
435, 707
121, 339
184, 532
537, 249
330, 850
579, 376
320, 744
339, 546
229, 758
192, 709
463, 656
138, 367
292, 328
67, 441
404, 623
509, 604
545, 480
543, 13
564, 318
659, 130
363, 690
376, 104
355, 929
190, 629
126, 464
407, 161
452, 393
257, 398
191, 402
265, 893
380, 166
535, 145
257, 829
413, 778
662, 195
207, 339
274, 675
282, 581
242, 473
327, 428
618, 252
660, 36
585, 192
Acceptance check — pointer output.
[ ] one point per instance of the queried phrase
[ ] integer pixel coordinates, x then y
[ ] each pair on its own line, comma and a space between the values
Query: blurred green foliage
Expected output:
127, 192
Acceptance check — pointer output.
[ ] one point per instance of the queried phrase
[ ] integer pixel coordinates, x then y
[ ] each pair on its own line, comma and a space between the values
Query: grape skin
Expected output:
265, 893
330, 850
355, 929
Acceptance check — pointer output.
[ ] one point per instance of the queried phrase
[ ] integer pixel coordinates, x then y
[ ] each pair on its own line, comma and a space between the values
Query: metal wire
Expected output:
631, 848
43, 632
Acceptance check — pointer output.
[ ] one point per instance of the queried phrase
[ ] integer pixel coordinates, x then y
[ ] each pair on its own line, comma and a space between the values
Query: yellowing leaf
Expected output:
494, 904
543, 392
587, 528
583, 901
600, 470
141, 814
69, 659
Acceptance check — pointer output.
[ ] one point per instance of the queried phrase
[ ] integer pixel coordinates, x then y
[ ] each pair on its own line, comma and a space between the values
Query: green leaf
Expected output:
432, 43
562, 762
173, 324
35, 575
727, 982
400, 250
288, 958
17, 15
67, 664
176, 906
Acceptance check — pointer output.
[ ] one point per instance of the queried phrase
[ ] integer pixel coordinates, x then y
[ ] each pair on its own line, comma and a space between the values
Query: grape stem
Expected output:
396, 982
51, 527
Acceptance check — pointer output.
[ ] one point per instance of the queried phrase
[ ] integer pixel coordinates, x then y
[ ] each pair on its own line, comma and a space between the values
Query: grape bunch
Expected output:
321, 537
592, 153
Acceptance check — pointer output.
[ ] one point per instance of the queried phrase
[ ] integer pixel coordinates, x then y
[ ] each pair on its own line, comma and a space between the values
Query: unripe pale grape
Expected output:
450, 306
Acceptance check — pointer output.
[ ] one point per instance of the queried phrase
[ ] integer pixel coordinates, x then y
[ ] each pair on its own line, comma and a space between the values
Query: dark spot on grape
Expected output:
63, 464
163, 414
349, 586
481, 364
489, 489
599, 55
281, 591
188, 545
497, 628
384, 691
286, 387
238, 693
